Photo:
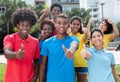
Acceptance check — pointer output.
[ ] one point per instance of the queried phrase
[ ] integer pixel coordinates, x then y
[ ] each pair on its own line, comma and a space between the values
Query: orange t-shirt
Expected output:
21, 70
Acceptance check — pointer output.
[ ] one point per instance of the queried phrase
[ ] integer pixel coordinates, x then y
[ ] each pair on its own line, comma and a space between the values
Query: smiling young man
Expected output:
21, 49
59, 60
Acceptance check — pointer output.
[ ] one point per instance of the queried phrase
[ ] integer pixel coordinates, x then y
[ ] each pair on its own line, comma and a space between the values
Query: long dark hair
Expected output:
109, 26
80, 20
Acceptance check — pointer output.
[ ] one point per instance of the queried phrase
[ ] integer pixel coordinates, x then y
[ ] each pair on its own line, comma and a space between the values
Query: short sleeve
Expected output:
111, 56
44, 50
7, 42
75, 39
37, 52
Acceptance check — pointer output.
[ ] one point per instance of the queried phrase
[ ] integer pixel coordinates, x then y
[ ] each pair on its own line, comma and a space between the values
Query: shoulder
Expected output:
107, 36
10, 36
73, 38
49, 39
108, 52
31, 38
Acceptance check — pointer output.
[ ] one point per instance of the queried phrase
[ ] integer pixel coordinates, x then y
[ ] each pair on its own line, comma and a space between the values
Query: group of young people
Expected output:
59, 55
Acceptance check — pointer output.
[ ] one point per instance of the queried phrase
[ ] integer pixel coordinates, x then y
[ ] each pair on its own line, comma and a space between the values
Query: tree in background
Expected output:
84, 14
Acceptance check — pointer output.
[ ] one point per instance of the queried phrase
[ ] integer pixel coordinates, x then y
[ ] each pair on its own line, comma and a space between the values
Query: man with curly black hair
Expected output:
21, 49
53, 12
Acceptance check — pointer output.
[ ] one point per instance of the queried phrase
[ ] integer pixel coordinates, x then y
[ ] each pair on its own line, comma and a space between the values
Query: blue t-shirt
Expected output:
99, 66
60, 68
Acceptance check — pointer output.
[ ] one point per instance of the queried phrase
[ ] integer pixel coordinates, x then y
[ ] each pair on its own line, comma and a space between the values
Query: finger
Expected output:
64, 48
70, 55
84, 47
22, 47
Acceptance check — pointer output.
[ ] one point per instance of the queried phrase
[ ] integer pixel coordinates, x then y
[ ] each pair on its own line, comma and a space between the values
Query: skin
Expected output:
103, 27
75, 26
54, 13
46, 32
61, 26
97, 40
23, 31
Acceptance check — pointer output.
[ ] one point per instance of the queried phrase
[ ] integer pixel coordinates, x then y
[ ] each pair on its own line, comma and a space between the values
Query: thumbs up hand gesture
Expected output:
20, 53
85, 53
68, 53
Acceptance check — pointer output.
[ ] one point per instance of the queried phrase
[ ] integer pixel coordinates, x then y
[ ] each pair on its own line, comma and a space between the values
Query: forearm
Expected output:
42, 74
42, 17
115, 29
87, 34
10, 54
114, 73
36, 68
74, 46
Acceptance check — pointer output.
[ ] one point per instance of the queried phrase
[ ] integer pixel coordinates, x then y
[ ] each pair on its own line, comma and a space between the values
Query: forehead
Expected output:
62, 19
24, 22
75, 21
104, 22
96, 33
56, 8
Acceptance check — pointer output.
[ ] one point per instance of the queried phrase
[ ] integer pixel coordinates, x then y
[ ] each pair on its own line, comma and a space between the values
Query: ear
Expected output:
17, 26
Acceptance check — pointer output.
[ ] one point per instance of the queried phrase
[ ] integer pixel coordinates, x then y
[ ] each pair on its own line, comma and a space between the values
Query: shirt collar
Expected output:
102, 50
20, 39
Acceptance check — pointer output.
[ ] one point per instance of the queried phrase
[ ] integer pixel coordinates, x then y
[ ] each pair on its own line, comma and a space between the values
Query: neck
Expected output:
22, 37
61, 36
99, 47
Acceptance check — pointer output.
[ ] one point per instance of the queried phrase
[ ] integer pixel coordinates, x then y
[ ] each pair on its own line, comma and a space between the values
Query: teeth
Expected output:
24, 31
61, 28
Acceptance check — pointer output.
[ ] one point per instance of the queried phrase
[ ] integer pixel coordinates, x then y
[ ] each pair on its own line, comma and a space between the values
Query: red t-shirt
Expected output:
54, 32
21, 70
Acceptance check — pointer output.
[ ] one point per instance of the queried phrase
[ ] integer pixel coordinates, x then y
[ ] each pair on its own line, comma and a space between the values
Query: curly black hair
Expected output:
56, 5
24, 14
47, 22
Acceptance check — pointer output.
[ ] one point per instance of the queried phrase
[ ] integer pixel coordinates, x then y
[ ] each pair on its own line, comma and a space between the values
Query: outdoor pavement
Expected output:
116, 55
3, 59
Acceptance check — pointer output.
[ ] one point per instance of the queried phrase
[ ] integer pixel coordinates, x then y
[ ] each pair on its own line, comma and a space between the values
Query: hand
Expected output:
20, 53
91, 20
110, 21
34, 79
85, 53
46, 12
69, 54
42, 36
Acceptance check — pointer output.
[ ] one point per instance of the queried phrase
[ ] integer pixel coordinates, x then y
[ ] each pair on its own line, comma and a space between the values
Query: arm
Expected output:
36, 70
85, 54
9, 54
42, 36
42, 69
115, 30
87, 30
114, 73
69, 52
44, 15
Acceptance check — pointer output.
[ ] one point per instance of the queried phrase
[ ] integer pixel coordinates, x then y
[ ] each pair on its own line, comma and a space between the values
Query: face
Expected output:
61, 25
23, 28
103, 26
97, 39
55, 12
75, 26
47, 30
